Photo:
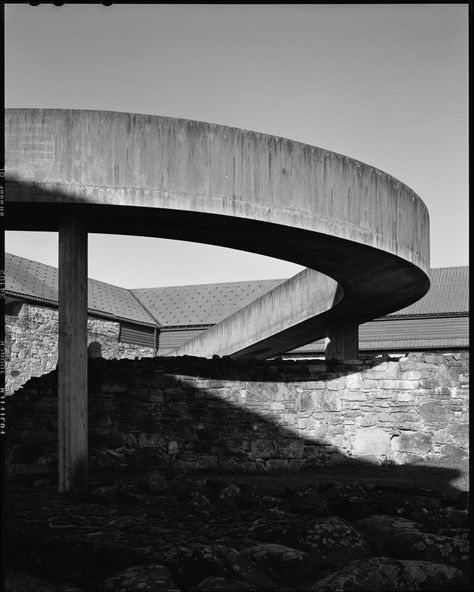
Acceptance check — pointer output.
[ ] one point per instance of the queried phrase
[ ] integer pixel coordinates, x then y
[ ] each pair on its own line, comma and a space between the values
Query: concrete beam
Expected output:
72, 356
343, 341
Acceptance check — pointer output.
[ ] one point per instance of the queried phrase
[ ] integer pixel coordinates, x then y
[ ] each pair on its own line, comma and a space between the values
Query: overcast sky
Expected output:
385, 84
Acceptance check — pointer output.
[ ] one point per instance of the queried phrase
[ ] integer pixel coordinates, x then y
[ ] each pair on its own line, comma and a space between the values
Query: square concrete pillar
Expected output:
343, 341
72, 356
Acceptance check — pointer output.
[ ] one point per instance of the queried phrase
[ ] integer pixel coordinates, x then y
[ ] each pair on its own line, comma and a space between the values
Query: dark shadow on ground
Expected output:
222, 469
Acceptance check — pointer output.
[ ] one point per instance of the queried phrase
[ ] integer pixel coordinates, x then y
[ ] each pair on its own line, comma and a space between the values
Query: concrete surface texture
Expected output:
174, 178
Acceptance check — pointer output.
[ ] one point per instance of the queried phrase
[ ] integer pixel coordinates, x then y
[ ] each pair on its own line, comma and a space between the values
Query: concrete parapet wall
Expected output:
195, 413
172, 178
104, 157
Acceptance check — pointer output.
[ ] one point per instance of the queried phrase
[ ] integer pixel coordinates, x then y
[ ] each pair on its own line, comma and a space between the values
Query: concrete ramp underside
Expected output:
362, 234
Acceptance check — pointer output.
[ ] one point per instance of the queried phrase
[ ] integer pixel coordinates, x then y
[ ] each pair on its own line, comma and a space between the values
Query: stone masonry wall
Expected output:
31, 343
196, 413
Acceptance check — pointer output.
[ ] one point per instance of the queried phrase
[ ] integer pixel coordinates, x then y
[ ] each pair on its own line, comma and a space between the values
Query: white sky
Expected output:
385, 84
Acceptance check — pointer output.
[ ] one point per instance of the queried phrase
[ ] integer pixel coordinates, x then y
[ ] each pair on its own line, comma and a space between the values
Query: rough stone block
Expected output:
335, 385
411, 375
433, 359
306, 422
290, 448
327, 401
369, 385
320, 432
427, 367
354, 381
277, 406
454, 433
407, 365
412, 442
306, 401
433, 413
453, 452
263, 449
309, 385
403, 396
355, 395
367, 420
282, 391
371, 441
399, 384
391, 370
386, 417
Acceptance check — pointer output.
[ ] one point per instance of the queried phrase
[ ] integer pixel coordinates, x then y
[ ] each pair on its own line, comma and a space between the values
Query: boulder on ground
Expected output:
384, 573
404, 539
447, 518
380, 527
431, 547
330, 540
195, 563
284, 565
142, 578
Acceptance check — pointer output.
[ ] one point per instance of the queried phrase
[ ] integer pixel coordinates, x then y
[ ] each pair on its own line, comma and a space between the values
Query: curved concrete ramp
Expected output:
90, 171
123, 173
287, 314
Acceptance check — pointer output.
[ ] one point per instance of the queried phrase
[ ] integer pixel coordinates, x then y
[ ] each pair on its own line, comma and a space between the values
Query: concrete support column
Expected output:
72, 356
343, 341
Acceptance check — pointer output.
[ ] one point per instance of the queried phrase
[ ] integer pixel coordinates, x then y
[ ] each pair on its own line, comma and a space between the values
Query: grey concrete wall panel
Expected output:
155, 176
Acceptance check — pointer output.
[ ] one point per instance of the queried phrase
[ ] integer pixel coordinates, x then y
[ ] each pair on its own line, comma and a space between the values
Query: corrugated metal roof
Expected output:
449, 293
39, 282
204, 304
408, 333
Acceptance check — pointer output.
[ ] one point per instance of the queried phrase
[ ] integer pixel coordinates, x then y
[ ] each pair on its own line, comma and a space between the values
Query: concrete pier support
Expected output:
72, 356
343, 341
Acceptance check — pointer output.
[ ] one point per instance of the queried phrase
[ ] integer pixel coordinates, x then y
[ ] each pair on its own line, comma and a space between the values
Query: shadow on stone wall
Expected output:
187, 414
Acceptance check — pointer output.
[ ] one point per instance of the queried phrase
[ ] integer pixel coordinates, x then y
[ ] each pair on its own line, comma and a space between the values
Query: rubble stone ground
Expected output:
330, 529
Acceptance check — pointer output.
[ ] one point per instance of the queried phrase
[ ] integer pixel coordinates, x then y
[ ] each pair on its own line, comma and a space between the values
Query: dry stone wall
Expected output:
31, 343
193, 413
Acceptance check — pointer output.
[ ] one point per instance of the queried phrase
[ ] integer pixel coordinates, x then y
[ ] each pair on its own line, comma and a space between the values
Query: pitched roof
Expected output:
39, 282
203, 304
449, 293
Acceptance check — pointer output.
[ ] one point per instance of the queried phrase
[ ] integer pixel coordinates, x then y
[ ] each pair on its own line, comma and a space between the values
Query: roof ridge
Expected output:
145, 308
